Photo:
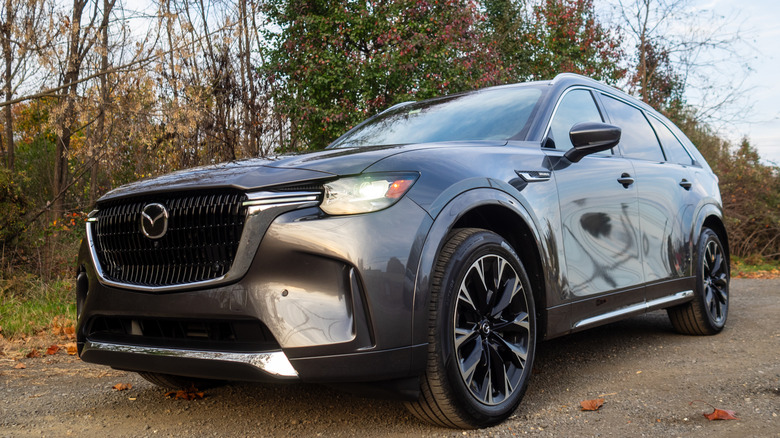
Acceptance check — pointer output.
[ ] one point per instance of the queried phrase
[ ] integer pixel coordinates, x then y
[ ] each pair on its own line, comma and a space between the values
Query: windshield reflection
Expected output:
496, 114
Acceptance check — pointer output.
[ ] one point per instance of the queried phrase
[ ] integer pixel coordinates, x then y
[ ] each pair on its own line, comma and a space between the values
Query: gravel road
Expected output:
647, 374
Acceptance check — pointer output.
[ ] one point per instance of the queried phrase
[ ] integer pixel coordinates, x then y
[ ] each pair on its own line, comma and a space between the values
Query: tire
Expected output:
178, 382
481, 334
706, 314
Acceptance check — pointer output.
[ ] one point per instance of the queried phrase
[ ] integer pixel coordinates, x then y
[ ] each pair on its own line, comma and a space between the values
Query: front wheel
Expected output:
706, 314
482, 333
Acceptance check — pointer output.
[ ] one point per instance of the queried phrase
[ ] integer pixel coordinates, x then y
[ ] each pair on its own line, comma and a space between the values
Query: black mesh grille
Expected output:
204, 230
213, 335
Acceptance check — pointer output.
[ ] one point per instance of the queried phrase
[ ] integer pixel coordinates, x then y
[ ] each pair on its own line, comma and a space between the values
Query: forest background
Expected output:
97, 94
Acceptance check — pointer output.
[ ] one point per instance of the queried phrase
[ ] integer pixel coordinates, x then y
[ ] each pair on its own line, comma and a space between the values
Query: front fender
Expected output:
443, 223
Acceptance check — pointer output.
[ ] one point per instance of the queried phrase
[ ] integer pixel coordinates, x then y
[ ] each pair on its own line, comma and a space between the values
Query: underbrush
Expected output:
30, 305
754, 267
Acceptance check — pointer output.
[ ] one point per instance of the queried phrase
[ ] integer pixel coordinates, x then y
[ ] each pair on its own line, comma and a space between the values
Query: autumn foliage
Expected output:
211, 82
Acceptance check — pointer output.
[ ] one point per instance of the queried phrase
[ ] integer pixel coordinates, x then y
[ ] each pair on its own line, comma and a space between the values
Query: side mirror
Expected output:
591, 137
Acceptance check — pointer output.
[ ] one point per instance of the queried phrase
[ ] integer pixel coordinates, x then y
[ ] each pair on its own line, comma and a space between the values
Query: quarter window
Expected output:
675, 152
576, 106
637, 139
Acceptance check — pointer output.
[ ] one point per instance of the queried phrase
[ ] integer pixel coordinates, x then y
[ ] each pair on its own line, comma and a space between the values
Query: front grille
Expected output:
211, 335
204, 230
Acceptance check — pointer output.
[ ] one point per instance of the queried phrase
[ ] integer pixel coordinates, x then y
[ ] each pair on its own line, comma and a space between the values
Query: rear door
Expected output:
663, 183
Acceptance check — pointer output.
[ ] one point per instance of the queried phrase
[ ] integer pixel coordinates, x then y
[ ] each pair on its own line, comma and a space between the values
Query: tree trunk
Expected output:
8, 58
98, 146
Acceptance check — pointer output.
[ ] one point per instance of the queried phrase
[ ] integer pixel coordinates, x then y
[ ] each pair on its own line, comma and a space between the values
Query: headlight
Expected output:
366, 193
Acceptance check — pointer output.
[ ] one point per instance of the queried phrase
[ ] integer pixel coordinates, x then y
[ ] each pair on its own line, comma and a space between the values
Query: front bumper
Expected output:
336, 295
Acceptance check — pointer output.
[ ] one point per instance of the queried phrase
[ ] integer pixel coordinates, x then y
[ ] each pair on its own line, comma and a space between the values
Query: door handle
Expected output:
686, 184
626, 180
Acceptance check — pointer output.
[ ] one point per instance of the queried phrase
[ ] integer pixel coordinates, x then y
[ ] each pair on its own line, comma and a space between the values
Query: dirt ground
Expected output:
654, 382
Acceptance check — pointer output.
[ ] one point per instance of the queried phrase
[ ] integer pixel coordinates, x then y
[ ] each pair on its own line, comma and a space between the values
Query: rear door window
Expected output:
637, 139
674, 150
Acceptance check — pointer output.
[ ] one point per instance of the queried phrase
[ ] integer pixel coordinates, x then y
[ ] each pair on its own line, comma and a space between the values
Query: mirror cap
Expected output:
591, 137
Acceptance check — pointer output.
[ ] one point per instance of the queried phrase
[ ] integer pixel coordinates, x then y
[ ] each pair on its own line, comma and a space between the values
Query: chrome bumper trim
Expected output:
274, 363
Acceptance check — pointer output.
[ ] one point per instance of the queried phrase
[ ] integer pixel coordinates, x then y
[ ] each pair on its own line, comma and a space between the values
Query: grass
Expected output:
754, 267
30, 305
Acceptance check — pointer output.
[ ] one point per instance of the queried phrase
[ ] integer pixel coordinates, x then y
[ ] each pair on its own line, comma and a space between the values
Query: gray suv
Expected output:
421, 255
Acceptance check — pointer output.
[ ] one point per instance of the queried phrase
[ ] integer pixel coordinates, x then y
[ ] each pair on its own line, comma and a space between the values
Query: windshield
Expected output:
493, 114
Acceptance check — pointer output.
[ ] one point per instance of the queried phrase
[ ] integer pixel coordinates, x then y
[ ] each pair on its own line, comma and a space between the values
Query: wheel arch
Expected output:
493, 210
711, 216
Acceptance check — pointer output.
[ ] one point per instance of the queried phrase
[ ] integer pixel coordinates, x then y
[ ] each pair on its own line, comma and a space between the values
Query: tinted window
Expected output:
576, 106
637, 139
497, 114
675, 152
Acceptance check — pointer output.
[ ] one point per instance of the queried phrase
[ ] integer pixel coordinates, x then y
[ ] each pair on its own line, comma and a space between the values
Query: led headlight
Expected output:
366, 193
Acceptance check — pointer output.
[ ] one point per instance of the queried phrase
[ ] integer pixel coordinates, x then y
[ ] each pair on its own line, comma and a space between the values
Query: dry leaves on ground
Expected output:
53, 349
123, 386
592, 405
717, 414
765, 275
186, 394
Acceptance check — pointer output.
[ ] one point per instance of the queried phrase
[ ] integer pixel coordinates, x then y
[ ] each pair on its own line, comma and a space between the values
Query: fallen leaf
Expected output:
20, 366
70, 332
186, 394
717, 414
592, 405
72, 350
721, 414
33, 353
122, 386
53, 349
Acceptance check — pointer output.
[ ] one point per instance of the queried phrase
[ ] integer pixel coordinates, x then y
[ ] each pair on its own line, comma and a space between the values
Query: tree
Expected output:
568, 37
23, 33
685, 49
334, 63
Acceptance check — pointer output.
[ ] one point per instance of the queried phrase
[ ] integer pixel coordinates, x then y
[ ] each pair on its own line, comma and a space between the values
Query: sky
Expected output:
760, 22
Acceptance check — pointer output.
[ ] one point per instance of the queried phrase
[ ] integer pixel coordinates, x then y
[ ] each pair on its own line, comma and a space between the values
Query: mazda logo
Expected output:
154, 220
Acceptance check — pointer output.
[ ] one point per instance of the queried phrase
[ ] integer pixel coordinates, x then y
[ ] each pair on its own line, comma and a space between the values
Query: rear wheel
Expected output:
706, 314
482, 333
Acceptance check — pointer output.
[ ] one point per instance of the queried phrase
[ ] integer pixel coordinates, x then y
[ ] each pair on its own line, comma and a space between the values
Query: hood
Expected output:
256, 173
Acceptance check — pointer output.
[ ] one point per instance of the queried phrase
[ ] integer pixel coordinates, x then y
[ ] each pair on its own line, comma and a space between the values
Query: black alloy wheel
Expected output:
707, 313
482, 333
491, 329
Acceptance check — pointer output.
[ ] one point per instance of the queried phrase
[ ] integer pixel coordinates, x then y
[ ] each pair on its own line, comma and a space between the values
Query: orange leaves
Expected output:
186, 394
721, 414
20, 366
33, 353
717, 414
53, 349
770, 274
592, 405
71, 349
63, 328
122, 386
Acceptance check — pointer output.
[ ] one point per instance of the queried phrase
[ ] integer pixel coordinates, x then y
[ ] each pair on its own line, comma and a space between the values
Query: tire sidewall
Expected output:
708, 236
